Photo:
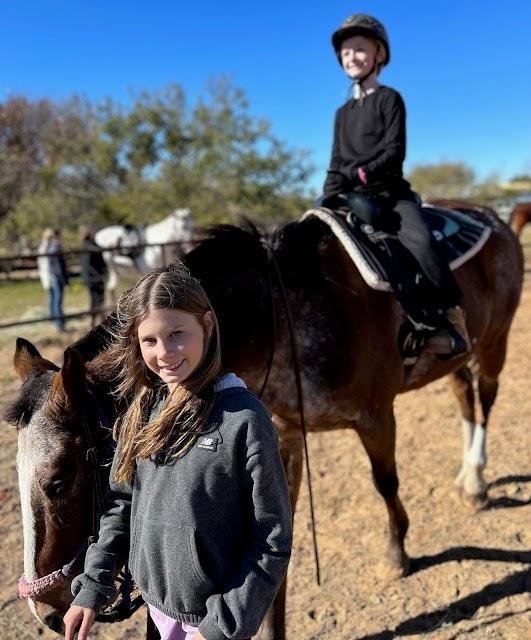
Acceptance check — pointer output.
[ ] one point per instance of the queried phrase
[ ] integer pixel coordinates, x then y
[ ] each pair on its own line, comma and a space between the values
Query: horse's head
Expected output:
54, 475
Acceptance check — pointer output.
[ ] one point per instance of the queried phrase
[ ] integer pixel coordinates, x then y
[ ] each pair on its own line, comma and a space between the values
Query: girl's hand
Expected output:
78, 617
198, 636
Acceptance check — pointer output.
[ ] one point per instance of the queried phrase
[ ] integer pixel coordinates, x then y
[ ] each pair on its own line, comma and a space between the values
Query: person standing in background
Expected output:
93, 272
53, 274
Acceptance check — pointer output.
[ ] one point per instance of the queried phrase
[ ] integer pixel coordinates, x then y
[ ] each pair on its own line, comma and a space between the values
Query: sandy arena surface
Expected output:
471, 570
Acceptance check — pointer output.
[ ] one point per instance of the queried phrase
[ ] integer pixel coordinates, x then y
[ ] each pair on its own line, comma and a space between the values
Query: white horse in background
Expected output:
127, 257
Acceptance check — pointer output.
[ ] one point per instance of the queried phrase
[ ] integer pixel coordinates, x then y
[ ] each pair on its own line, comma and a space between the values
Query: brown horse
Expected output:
520, 216
351, 371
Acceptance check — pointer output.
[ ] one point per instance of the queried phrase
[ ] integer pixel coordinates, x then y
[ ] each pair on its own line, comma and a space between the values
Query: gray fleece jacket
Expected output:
208, 536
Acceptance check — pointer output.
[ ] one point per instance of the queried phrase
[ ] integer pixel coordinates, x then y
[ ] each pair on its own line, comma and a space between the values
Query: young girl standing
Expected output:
367, 157
198, 499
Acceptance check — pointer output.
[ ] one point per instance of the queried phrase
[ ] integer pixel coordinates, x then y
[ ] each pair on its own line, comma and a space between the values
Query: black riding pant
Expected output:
415, 236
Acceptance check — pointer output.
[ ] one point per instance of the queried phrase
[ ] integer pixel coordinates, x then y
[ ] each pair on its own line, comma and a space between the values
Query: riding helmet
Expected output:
360, 24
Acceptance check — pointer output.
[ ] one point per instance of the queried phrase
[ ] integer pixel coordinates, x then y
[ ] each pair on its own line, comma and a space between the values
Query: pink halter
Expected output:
47, 583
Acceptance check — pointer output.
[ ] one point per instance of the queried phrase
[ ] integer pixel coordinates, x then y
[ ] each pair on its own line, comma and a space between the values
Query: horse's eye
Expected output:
54, 488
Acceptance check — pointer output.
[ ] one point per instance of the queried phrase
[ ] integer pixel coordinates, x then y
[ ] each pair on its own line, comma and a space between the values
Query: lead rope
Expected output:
98, 496
273, 329
300, 397
128, 605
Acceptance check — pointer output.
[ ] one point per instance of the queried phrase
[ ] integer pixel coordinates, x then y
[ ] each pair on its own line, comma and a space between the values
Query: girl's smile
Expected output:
358, 56
172, 342
170, 367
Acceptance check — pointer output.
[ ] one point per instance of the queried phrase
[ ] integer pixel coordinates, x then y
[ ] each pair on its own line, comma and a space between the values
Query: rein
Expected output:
273, 322
297, 370
40, 586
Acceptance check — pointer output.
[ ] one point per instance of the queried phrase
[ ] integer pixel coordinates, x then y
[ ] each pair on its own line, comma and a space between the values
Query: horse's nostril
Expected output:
54, 621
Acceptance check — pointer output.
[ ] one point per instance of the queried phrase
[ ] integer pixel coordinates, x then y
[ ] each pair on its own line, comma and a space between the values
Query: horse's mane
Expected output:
229, 243
247, 236
97, 339
298, 235
30, 396
295, 245
233, 247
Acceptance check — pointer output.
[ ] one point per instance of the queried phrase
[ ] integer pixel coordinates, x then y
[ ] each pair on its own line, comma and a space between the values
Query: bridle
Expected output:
273, 266
98, 456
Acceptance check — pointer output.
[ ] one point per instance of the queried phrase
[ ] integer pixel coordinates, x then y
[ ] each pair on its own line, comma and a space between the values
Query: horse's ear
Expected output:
28, 360
68, 385
73, 376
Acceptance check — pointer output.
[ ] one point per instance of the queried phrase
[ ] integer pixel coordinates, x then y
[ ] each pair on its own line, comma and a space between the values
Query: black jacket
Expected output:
369, 133
93, 267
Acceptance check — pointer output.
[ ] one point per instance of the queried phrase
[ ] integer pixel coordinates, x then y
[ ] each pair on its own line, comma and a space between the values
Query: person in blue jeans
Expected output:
53, 274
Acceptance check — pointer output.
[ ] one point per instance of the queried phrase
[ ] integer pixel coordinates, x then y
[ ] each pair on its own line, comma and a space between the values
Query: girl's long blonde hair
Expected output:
175, 427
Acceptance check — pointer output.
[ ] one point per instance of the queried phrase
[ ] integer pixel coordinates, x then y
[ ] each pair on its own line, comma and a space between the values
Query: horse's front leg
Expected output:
462, 383
111, 283
273, 626
377, 434
491, 361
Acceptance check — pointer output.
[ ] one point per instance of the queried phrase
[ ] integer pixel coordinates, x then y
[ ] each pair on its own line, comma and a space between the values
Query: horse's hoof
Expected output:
386, 573
475, 502
460, 478
475, 487
405, 567
395, 565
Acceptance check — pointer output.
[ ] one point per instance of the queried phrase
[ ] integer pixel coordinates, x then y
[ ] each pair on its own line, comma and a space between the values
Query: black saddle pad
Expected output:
387, 266
459, 236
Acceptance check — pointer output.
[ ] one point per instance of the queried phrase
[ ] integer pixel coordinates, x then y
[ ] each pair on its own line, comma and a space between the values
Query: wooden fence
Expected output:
17, 267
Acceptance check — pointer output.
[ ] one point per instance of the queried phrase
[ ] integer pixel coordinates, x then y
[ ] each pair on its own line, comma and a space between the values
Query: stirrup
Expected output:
452, 344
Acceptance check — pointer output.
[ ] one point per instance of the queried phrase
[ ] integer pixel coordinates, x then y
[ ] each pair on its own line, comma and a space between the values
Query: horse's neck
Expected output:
171, 228
110, 236
158, 230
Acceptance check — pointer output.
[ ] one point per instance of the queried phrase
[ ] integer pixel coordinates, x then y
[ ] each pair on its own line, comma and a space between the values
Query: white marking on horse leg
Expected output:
477, 454
25, 467
467, 427
475, 484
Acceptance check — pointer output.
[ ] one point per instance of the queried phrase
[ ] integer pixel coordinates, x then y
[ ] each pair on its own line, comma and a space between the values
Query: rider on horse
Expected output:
366, 171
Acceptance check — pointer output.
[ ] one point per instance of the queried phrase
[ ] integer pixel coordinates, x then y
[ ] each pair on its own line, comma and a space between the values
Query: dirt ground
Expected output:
470, 572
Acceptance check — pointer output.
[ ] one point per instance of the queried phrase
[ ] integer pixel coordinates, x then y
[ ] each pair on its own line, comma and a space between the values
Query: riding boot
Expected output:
451, 339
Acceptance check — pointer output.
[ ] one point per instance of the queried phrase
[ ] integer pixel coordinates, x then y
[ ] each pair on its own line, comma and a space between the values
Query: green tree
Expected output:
444, 180
25, 131
47, 168
75, 162
213, 157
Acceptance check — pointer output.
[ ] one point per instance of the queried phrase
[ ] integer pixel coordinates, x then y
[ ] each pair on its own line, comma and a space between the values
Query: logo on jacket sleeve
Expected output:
207, 442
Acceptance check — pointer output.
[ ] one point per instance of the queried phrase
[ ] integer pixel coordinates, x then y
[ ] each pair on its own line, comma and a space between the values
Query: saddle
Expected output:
369, 237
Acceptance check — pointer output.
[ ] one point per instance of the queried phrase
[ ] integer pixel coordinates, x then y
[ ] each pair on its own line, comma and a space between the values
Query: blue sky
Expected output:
463, 67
